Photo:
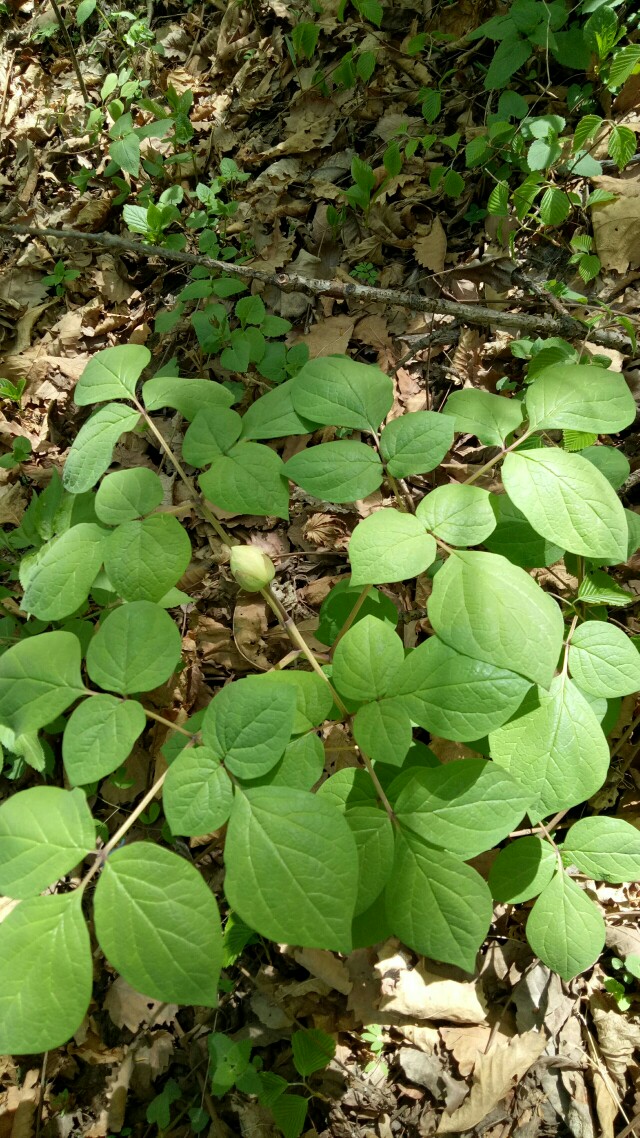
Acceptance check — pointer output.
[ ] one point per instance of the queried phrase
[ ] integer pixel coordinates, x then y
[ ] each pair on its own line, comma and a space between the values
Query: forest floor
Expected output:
421, 1048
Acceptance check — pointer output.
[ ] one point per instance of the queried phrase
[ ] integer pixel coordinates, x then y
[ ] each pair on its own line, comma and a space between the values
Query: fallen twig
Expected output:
556, 325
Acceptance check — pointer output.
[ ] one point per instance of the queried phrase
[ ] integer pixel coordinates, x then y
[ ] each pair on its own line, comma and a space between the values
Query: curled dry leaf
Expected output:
493, 1078
422, 994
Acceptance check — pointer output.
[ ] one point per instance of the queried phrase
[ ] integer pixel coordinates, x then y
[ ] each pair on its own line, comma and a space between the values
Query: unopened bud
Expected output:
251, 568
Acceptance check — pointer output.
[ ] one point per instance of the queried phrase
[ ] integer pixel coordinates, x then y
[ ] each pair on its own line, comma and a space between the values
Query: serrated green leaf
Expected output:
491, 418
99, 736
607, 849
383, 731
491, 610
188, 396
578, 440
273, 416
555, 206
568, 501
250, 479
63, 572
112, 374
291, 867
198, 793
436, 904
460, 515
213, 432
46, 943
248, 725
623, 64
597, 588
580, 397
603, 660
32, 692
128, 494
343, 471
558, 751
338, 392
454, 696
157, 923
416, 442
522, 870
92, 448
366, 659
515, 539
290, 1113
143, 559
389, 546
44, 833
312, 1050
135, 649
621, 145
565, 928
466, 807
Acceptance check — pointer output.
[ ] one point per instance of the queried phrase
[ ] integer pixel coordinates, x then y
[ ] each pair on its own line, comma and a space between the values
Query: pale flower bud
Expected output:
251, 568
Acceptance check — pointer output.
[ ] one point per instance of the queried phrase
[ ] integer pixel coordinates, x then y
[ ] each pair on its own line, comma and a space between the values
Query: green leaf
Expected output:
135, 649
597, 588
623, 64
291, 867
343, 471
313, 697
63, 572
610, 462
389, 546
188, 396
568, 501
212, 433
338, 392
555, 206
128, 494
92, 448
565, 928
112, 374
248, 724
99, 736
44, 833
44, 941
508, 58
603, 660
515, 539
383, 731
522, 870
250, 479
491, 610
607, 849
32, 692
580, 397
374, 838
585, 130
348, 788
312, 1050
299, 768
157, 923
436, 904
290, 1111
143, 559
466, 807
558, 751
457, 514
273, 416
85, 9
491, 418
198, 793
578, 440
415, 443
454, 696
339, 603
126, 152
621, 145
366, 660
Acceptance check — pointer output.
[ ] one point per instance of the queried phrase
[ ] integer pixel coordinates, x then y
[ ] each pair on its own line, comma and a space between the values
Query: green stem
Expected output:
494, 461
352, 616
296, 638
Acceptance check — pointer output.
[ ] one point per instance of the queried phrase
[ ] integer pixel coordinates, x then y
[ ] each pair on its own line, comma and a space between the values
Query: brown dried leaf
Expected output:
430, 251
493, 1078
128, 1008
616, 224
423, 994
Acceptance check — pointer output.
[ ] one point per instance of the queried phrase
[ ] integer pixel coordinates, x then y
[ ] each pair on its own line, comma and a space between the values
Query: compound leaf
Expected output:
135, 649
389, 546
515, 538
491, 610
273, 416
292, 867
565, 928
99, 736
44, 833
157, 923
